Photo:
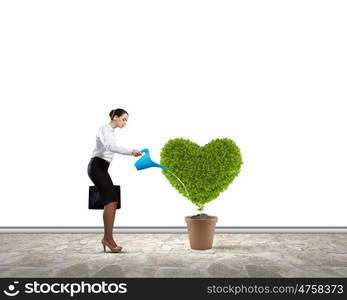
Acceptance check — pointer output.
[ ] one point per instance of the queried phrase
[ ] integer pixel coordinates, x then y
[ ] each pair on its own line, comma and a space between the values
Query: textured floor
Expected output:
169, 255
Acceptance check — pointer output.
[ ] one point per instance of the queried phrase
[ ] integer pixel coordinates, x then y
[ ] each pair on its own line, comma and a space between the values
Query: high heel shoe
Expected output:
113, 249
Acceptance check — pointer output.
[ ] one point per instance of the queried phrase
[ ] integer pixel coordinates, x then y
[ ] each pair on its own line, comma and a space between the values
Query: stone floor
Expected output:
169, 255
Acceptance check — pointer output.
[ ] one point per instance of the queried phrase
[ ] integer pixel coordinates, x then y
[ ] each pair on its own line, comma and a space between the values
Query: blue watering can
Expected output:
145, 162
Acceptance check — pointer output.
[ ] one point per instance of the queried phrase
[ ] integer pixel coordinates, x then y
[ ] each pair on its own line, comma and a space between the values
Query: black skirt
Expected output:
98, 174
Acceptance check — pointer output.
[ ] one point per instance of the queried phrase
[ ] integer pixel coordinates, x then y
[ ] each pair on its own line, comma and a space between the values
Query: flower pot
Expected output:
201, 231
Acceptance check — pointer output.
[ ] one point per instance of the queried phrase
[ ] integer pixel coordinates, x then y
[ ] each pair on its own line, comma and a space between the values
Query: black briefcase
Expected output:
95, 201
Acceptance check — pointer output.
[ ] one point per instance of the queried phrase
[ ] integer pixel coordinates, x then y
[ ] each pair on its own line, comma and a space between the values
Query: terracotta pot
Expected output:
201, 232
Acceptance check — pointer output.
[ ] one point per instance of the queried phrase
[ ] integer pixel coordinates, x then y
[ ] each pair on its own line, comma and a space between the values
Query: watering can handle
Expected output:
145, 150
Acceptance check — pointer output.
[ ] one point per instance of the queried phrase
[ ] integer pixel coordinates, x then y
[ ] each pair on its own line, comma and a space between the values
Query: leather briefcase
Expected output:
95, 201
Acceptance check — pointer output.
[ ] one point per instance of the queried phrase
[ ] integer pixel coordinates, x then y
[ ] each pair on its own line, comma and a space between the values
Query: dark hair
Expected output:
117, 112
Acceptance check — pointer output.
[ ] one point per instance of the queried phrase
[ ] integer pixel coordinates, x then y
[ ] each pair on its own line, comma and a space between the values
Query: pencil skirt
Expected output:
98, 174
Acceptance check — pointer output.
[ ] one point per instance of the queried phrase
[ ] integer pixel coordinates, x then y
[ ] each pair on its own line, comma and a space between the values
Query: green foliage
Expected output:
206, 171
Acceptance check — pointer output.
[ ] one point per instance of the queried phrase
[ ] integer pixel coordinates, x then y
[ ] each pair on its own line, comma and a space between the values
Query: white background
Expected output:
270, 75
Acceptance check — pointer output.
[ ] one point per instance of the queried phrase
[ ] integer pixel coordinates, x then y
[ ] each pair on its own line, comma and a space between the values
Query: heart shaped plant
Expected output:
206, 171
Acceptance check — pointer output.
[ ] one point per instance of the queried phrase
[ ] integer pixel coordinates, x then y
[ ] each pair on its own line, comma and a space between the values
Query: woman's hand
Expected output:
136, 152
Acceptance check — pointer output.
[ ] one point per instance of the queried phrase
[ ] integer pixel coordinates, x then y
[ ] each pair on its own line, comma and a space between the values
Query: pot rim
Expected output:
211, 218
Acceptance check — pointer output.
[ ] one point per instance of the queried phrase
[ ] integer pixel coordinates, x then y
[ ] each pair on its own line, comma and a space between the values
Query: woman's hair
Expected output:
117, 112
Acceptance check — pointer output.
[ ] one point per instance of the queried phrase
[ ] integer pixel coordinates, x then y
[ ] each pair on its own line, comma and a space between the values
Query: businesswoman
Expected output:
102, 156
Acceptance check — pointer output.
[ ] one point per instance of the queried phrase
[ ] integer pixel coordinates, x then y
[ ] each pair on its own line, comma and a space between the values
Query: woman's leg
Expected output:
97, 172
109, 216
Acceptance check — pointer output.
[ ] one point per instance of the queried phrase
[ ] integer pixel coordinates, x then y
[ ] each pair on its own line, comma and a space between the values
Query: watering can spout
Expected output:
160, 166
145, 162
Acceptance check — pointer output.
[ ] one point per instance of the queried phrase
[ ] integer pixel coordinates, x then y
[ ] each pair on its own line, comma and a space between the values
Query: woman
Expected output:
102, 156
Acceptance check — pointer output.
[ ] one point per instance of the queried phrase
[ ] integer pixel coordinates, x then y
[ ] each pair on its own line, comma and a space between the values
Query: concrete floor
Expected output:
169, 255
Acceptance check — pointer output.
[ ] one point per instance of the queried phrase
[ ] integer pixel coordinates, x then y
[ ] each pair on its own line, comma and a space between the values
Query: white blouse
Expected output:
106, 144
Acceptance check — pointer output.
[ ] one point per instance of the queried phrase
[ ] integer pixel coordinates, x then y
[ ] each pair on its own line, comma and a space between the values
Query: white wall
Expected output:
271, 75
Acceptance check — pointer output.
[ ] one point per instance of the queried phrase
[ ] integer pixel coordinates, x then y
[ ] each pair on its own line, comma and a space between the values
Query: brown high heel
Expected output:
116, 249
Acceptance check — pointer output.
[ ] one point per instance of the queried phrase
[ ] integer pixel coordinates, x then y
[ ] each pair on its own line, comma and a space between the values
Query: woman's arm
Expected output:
109, 142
